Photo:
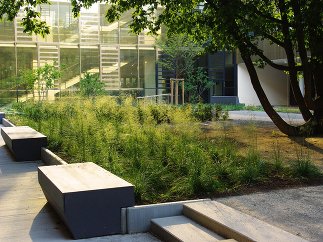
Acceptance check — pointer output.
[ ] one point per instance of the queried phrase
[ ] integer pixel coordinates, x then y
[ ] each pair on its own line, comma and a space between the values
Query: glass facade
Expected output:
77, 45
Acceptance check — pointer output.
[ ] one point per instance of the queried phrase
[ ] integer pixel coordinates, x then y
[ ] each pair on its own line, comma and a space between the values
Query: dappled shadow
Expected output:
48, 226
304, 143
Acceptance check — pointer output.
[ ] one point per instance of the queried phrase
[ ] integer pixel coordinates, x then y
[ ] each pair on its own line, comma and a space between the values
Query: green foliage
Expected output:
48, 74
197, 83
26, 79
32, 23
90, 85
203, 112
208, 112
180, 54
303, 166
46, 77
161, 149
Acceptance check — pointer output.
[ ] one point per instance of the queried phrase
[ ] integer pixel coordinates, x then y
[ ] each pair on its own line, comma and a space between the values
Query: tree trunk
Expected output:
278, 121
289, 50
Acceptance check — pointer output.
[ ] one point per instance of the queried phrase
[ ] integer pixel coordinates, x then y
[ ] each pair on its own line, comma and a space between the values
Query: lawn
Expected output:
166, 151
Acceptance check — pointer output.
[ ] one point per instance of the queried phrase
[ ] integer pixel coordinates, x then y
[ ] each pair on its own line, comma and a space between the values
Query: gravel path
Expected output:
298, 210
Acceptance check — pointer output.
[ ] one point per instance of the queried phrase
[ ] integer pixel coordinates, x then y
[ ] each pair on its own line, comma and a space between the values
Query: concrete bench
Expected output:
2, 115
87, 197
24, 142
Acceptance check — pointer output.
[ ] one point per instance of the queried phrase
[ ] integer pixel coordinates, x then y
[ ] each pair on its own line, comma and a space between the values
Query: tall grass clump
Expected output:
159, 148
303, 165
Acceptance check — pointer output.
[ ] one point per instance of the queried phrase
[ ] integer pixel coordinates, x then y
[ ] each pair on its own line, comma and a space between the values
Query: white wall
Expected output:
274, 83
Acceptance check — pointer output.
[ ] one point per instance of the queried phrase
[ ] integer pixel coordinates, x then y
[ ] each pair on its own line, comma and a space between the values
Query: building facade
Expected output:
123, 60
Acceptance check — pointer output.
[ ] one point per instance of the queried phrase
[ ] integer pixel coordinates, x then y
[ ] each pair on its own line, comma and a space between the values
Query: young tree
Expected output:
46, 77
179, 55
90, 85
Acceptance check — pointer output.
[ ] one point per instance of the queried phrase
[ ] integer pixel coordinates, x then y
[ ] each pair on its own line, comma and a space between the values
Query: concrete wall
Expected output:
274, 83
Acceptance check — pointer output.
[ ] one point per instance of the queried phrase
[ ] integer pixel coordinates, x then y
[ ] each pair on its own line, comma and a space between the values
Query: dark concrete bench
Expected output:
87, 197
2, 115
24, 142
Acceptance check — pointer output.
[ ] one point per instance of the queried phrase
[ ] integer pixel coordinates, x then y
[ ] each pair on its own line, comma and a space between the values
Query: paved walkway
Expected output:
298, 210
24, 212
292, 118
26, 216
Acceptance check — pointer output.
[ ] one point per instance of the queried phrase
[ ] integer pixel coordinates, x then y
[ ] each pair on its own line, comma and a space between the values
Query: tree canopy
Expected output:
32, 22
294, 25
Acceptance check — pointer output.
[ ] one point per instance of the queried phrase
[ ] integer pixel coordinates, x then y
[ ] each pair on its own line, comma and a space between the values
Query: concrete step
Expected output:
182, 229
231, 223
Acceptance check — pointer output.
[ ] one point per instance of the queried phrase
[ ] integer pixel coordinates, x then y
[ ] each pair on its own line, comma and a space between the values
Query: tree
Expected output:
294, 25
90, 85
32, 22
46, 77
26, 80
179, 55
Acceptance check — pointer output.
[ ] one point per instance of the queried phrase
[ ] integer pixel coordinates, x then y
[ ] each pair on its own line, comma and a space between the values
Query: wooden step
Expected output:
231, 223
182, 229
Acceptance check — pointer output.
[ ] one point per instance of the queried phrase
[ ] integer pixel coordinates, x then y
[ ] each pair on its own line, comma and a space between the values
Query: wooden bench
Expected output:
87, 197
24, 142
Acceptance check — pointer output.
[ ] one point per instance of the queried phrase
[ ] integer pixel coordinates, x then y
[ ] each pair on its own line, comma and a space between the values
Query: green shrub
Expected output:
203, 112
161, 149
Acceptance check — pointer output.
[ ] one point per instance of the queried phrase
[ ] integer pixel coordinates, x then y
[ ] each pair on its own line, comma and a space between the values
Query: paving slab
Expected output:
231, 223
297, 210
181, 228
25, 214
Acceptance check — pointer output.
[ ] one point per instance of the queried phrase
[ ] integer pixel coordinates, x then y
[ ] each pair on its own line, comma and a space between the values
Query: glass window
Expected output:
27, 58
7, 75
146, 39
147, 71
49, 13
7, 31
89, 24
90, 59
129, 68
68, 25
126, 37
70, 65
109, 31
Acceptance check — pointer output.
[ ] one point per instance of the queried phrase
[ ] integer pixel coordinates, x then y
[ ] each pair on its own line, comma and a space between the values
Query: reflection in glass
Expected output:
126, 37
90, 59
68, 25
7, 31
147, 70
70, 66
7, 74
129, 71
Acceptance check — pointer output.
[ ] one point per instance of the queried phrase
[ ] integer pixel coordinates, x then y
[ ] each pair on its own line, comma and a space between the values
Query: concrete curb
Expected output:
137, 219
49, 158
7, 123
